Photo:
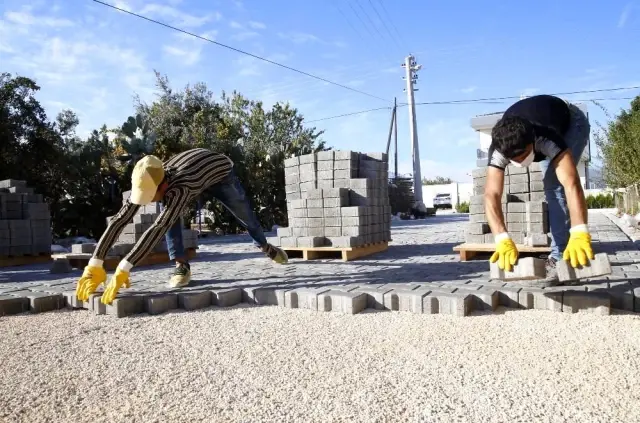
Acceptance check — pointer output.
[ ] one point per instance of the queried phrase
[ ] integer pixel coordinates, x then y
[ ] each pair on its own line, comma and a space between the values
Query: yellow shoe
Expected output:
181, 276
276, 254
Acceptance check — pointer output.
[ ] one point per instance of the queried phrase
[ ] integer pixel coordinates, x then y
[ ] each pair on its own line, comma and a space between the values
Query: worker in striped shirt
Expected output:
176, 183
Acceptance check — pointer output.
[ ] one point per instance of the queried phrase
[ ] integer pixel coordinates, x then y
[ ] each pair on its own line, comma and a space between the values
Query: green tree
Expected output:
619, 146
438, 180
257, 140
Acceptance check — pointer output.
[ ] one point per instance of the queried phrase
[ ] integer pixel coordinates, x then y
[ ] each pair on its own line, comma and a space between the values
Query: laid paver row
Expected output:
455, 298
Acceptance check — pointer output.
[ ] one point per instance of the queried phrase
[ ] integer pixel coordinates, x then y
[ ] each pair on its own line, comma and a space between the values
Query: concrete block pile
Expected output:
523, 205
336, 199
25, 220
142, 220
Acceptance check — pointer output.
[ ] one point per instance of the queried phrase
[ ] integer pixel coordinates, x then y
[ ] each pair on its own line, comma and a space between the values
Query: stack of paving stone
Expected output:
336, 199
25, 220
523, 206
142, 220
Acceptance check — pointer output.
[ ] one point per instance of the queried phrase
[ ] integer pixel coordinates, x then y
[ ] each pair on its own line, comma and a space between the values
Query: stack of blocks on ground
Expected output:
134, 230
523, 205
336, 199
25, 221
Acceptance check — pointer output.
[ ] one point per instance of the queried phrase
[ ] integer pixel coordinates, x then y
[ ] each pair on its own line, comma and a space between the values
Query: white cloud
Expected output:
528, 92
624, 16
25, 18
299, 37
469, 90
245, 35
235, 25
178, 17
187, 56
257, 25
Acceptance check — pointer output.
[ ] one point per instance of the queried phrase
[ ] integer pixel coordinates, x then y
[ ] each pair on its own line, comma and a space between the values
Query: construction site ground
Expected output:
559, 361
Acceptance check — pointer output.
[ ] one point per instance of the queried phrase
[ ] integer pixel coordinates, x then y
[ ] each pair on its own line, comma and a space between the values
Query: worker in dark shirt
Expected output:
553, 132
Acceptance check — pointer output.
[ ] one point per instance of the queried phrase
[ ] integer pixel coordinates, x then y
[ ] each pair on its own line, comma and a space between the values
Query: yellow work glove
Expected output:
119, 278
506, 253
91, 278
579, 247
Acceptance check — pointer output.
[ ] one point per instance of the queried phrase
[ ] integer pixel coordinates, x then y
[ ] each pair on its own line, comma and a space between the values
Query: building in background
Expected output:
483, 124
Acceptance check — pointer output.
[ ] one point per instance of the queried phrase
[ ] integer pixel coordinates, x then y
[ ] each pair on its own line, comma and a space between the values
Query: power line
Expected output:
518, 97
240, 51
348, 114
455, 102
385, 25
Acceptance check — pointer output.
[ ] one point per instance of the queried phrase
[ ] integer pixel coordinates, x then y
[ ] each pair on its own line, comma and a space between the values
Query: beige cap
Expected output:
147, 175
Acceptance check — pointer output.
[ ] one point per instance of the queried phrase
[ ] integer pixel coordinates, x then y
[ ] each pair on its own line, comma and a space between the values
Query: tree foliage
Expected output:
83, 179
618, 143
438, 180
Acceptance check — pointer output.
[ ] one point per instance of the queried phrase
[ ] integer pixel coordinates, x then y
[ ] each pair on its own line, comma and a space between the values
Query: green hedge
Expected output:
601, 201
463, 207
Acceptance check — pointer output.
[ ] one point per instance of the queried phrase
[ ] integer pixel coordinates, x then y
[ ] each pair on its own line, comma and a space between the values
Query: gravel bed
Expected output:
254, 364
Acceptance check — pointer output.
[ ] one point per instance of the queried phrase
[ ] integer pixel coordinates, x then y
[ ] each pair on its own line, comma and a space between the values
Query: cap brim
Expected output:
141, 197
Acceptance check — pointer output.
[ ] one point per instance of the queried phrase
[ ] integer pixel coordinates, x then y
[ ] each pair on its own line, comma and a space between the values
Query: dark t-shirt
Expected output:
550, 117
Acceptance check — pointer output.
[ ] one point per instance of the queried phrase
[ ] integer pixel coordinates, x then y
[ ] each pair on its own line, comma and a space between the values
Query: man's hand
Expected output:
579, 247
91, 278
120, 278
506, 253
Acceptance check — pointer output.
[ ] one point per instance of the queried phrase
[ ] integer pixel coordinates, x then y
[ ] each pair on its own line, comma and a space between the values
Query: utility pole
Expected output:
411, 67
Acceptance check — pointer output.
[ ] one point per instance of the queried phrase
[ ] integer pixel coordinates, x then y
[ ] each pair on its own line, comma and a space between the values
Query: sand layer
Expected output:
252, 364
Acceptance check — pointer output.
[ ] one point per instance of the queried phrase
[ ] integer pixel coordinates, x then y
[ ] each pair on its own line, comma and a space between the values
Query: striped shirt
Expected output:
187, 174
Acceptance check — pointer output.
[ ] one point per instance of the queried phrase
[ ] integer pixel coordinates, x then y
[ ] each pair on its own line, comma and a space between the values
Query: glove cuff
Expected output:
502, 237
125, 266
94, 262
579, 228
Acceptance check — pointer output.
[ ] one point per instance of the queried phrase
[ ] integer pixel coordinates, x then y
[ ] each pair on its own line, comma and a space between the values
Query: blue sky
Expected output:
92, 59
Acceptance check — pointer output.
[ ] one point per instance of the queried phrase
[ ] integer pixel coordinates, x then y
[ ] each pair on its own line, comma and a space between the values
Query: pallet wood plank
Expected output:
346, 254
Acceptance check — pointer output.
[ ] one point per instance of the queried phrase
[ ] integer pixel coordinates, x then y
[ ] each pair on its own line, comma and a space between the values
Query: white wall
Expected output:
460, 192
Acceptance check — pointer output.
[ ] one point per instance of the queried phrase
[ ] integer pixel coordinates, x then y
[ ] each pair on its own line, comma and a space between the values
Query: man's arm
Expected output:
111, 234
176, 200
493, 200
568, 176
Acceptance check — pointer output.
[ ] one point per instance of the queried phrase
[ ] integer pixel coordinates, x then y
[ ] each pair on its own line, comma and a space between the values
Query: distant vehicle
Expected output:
442, 201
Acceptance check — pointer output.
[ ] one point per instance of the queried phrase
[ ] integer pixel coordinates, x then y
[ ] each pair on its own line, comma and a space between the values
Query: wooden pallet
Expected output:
7, 261
469, 251
346, 254
80, 260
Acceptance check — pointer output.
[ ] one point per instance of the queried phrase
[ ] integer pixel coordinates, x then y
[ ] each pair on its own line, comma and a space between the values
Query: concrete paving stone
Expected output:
636, 300
526, 268
160, 303
305, 298
405, 299
194, 300
599, 266
342, 301
228, 297
544, 299
621, 294
574, 301
126, 305
455, 303
265, 295
375, 296
60, 266
10, 304
72, 301
40, 302
485, 298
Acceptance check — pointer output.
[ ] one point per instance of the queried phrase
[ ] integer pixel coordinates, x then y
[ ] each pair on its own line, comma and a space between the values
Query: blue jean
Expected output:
576, 138
230, 193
